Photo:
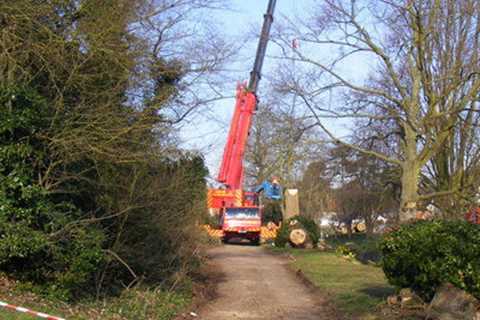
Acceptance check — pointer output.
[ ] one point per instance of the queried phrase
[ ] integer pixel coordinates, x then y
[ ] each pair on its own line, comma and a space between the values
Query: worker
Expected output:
272, 193
271, 190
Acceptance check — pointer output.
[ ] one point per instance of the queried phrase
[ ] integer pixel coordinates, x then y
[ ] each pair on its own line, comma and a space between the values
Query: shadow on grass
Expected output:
379, 292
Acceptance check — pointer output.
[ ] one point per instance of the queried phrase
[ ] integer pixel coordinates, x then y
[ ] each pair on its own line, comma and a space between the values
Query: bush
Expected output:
272, 211
364, 248
40, 239
424, 255
308, 224
95, 194
343, 250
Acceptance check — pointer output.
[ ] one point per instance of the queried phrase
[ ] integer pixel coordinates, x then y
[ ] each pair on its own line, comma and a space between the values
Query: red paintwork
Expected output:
224, 198
231, 169
246, 228
250, 199
473, 216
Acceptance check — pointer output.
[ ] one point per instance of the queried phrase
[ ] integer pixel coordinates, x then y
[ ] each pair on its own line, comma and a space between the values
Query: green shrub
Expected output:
212, 221
272, 212
281, 239
424, 255
364, 248
344, 250
308, 224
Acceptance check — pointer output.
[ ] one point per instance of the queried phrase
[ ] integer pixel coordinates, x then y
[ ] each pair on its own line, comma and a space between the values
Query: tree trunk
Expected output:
408, 199
410, 170
370, 223
348, 225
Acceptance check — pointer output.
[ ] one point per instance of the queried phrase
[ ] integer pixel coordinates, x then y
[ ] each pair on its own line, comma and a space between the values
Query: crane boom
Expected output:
255, 75
231, 169
238, 211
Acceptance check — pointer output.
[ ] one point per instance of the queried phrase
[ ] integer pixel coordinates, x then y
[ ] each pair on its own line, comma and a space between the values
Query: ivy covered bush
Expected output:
39, 241
423, 255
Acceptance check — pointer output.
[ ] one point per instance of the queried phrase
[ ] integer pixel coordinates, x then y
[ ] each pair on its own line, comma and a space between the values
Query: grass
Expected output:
8, 315
356, 289
13, 315
138, 304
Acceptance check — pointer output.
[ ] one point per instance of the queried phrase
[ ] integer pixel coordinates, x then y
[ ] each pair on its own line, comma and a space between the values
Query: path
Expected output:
258, 285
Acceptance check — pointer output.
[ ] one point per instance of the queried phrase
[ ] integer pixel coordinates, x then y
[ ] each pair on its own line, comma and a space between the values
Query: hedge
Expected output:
423, 255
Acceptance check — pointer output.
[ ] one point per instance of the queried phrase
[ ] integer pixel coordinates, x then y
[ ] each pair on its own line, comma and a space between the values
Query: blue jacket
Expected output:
270, 190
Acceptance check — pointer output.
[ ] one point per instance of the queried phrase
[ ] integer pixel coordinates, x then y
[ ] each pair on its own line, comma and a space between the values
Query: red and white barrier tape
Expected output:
25, 310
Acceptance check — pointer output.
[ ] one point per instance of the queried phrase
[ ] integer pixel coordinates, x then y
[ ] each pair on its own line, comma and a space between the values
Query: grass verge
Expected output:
356, 289
138, 303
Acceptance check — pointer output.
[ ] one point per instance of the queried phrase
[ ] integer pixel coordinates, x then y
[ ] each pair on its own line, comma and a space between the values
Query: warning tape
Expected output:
30, 312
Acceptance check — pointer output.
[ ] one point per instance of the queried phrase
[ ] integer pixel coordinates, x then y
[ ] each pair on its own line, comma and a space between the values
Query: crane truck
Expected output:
238, 210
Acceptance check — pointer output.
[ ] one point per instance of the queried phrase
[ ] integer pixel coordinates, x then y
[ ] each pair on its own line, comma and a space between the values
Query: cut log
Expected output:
298, 237
360, 227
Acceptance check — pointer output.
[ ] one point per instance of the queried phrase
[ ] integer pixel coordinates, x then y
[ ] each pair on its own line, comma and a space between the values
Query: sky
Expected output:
207, 130
208, 133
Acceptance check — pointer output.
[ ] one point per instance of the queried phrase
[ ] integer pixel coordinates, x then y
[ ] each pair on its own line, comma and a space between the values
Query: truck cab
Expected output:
242, 222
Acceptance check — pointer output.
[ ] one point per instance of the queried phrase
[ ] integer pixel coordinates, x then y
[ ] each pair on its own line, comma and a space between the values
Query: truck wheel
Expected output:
224, 240
256, 241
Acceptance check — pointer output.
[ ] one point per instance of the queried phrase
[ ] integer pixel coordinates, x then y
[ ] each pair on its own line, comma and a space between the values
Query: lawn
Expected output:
356, 289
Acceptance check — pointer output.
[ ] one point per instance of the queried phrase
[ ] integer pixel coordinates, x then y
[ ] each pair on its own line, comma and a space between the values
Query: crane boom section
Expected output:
255, 75
231, 169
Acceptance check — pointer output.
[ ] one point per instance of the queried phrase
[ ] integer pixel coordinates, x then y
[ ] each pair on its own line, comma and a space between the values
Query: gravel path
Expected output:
258, 285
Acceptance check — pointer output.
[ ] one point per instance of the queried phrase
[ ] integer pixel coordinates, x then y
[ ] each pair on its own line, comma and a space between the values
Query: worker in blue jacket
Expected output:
271, 190
272, 210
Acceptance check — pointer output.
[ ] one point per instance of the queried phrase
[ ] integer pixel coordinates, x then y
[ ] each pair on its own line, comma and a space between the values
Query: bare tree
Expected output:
367, 186
456, 167
281, 144
316, 193
425, 75
178, 35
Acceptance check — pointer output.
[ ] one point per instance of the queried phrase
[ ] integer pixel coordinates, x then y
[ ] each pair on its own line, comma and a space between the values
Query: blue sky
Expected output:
207, 130
208, 133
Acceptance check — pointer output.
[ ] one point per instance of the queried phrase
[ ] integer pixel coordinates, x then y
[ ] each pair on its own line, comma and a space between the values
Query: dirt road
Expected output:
258, 285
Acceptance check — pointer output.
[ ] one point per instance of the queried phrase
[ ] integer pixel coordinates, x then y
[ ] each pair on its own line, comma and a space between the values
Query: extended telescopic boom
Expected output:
231, 169
255, 75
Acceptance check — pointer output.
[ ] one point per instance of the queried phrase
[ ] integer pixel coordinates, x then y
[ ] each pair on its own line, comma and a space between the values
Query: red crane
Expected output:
237, 209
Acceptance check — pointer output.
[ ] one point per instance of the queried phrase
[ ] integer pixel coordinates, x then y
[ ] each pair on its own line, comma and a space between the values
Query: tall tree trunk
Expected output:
348, 225
408, 199
410, 177
370, 223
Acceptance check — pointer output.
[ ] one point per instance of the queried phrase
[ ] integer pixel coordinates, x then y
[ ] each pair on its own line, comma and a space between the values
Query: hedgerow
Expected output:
95, 194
